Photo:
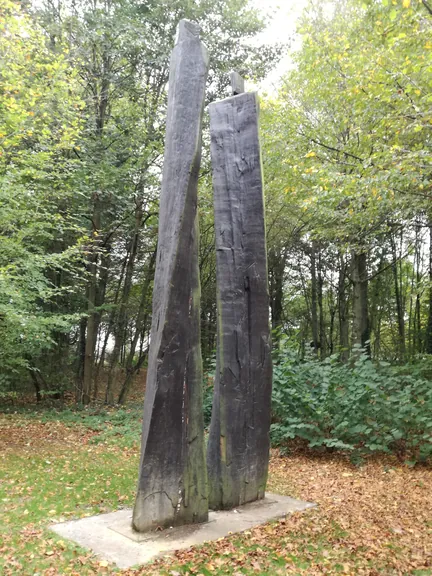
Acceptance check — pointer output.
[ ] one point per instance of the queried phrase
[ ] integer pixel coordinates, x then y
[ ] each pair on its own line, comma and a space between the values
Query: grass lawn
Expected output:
56, 466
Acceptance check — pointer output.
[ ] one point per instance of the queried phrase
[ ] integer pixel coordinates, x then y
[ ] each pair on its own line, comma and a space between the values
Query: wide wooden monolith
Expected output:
238, 449
172, 487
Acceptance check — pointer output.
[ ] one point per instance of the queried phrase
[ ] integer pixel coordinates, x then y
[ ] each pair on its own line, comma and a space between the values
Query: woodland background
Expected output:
346, 144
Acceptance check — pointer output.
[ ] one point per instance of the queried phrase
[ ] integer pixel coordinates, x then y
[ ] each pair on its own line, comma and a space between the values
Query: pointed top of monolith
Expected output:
237, 83
186, 30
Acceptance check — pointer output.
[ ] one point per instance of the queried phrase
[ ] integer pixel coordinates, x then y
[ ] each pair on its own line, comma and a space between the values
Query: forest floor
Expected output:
376, 519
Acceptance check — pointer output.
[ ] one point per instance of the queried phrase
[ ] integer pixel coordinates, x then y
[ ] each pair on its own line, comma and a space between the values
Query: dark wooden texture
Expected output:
172, 488
238, 450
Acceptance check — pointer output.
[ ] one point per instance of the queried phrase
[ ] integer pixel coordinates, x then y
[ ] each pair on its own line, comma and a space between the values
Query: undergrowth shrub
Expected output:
362, 407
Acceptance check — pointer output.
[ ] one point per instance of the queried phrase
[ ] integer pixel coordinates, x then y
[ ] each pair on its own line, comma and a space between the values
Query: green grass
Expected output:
55, 483
120, 427
62, 465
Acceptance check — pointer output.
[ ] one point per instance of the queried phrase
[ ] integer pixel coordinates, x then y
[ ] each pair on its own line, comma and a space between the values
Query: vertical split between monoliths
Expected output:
238, 448
172, 486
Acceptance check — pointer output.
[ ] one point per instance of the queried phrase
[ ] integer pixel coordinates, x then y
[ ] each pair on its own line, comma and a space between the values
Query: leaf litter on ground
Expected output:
372, 520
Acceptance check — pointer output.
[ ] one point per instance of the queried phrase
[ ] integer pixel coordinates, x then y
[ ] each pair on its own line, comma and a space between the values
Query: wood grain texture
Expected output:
172, 488
238, 450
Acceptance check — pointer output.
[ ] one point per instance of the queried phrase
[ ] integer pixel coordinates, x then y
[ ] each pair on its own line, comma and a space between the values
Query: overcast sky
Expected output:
281, 29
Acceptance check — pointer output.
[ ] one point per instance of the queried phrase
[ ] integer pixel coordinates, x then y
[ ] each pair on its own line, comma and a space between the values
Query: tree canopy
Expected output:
346, 159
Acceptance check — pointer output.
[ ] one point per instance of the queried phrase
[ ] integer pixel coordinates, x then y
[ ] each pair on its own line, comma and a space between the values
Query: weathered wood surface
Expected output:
238, 450
237, 83
172, 487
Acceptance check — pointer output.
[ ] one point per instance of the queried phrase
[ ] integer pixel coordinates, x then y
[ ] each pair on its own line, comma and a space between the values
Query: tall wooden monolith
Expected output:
172, 487
238, 449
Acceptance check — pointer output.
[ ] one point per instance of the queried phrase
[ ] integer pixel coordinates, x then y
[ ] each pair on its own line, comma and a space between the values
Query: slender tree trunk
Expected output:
92, 314
110, 324
361, 330
276, 277
322, 328
120, 328
416, 331
100, 299
343, 311
428, 335
375, 308
90, 342
140, 324
418, 326
36, 385
101, 101
81, 359
399, 305
204, 335
144, 337
314, 299
332, 307
412, 312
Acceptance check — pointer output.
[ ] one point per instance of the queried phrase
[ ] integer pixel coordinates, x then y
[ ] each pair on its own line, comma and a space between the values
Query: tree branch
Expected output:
426, 5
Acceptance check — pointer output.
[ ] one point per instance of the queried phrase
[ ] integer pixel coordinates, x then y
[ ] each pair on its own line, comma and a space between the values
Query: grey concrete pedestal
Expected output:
111, 537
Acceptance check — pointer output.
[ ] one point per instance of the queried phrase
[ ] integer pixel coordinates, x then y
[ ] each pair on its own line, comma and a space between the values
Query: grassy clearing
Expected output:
55, 466
52, 472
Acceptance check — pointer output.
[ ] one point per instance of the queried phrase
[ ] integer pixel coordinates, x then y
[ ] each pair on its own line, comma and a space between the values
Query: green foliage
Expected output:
361, 408
57, 480
82, 124
39, 121
346, 150
208, 388
355, 113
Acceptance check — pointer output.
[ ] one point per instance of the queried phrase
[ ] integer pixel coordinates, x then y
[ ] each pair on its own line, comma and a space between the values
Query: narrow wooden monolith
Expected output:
238, 449
172, 487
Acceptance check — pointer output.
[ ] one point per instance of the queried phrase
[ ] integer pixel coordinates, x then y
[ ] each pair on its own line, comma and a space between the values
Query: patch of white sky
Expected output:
282, 22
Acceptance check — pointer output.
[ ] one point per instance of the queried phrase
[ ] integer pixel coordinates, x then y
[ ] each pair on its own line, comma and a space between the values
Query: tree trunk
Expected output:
90, 342
417, 326
101, 102
101, 361
36, 384
361, 333
100, 299
428, 336
314, 299
375, 307
276, 282
415, 321
81, 359
140, 323
343, 311
120, 325
92, 318
332, 307
172, 485
238, 448
400, 311
322, 328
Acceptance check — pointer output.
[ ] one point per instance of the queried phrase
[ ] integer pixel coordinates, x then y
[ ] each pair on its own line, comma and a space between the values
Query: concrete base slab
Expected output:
111, 536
